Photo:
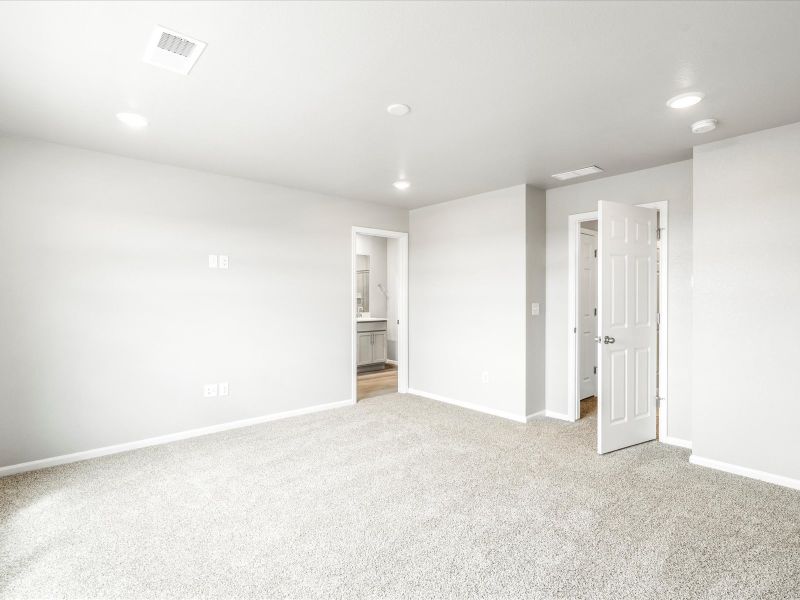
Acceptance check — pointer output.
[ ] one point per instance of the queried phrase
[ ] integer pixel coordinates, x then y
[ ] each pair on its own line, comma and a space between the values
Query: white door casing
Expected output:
587, 326
627, 325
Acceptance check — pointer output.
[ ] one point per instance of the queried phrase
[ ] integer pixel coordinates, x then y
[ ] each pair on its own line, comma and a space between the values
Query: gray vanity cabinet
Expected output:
371, 343
379, 346
364, 348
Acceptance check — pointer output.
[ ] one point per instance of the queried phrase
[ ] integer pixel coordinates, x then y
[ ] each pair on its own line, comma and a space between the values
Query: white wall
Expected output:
746, 290
467, 283
672, 183
374, 247
535, 291
112, 321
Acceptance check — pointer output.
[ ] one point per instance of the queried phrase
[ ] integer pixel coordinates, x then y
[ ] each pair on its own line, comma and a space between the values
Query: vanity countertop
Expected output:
370, 319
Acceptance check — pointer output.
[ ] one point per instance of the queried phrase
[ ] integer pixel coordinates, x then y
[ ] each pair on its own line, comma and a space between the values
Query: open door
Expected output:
627, 329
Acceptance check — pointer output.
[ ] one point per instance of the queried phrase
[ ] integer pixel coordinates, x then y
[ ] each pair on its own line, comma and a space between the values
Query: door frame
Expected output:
402, 307
573, 308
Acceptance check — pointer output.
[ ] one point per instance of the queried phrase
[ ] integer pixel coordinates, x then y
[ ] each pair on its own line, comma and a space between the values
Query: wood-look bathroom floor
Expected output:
377, 383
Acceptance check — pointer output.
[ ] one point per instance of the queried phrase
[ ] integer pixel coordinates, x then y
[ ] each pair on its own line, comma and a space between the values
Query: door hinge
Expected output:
658, 319
658, 232
595, 312
595, 370
595, 253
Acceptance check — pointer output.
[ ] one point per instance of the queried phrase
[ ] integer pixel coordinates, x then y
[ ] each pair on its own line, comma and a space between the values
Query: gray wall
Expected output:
746, 290
112, 321
467, 281
669, 182
535, 266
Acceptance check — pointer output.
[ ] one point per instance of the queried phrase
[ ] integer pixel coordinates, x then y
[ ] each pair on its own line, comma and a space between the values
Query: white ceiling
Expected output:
501, 93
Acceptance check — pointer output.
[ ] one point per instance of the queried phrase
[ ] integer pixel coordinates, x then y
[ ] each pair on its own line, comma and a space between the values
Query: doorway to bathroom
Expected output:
379, 312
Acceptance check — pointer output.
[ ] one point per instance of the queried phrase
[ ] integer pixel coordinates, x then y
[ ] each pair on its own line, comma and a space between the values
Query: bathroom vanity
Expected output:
371, 343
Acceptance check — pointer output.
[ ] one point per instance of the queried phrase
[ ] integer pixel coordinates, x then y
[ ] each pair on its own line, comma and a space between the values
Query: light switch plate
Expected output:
534, 309
223, 388
223, 261
212, 261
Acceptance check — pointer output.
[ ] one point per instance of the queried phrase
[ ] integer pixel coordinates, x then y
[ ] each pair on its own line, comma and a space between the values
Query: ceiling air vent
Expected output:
172, 51
578, 173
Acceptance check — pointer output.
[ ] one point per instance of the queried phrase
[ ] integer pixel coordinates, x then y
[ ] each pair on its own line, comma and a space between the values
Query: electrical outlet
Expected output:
485, 377
210, 390
212, 261
223, 261
223, 388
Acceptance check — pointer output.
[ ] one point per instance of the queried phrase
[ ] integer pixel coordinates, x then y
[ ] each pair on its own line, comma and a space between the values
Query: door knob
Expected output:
608, 340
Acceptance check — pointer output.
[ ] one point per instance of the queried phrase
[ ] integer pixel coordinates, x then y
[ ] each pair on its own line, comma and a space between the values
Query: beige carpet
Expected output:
397, 497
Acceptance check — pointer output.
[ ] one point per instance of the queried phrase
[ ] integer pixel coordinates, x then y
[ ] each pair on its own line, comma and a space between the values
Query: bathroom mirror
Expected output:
362, 283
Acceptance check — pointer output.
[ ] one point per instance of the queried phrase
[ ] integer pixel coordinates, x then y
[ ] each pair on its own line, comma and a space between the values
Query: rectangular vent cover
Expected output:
173, 51
173, 43
578, 173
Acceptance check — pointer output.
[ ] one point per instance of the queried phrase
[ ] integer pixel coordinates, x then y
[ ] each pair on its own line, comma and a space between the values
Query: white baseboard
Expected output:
392, 362
557, 415
674, 441
745, 471
469, 405
532, 415
163, 439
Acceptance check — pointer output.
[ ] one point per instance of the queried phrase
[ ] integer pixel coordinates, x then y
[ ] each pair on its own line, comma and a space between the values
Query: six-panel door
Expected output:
627, 325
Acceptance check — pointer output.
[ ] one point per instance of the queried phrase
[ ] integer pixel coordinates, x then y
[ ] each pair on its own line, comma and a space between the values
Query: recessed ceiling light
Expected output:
398, 110
704, 126
133, 120
685, 100
578, 173
402, 184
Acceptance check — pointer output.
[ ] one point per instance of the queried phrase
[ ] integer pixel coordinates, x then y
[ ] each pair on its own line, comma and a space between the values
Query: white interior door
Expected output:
588, 313
627, 326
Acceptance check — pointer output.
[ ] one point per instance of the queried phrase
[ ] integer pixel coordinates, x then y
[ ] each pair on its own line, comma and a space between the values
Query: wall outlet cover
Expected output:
485, 377
223, 261
212, 261
209, 390
223, 388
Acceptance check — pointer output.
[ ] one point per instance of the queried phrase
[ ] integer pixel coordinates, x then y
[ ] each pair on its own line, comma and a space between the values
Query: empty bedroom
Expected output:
399, 299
